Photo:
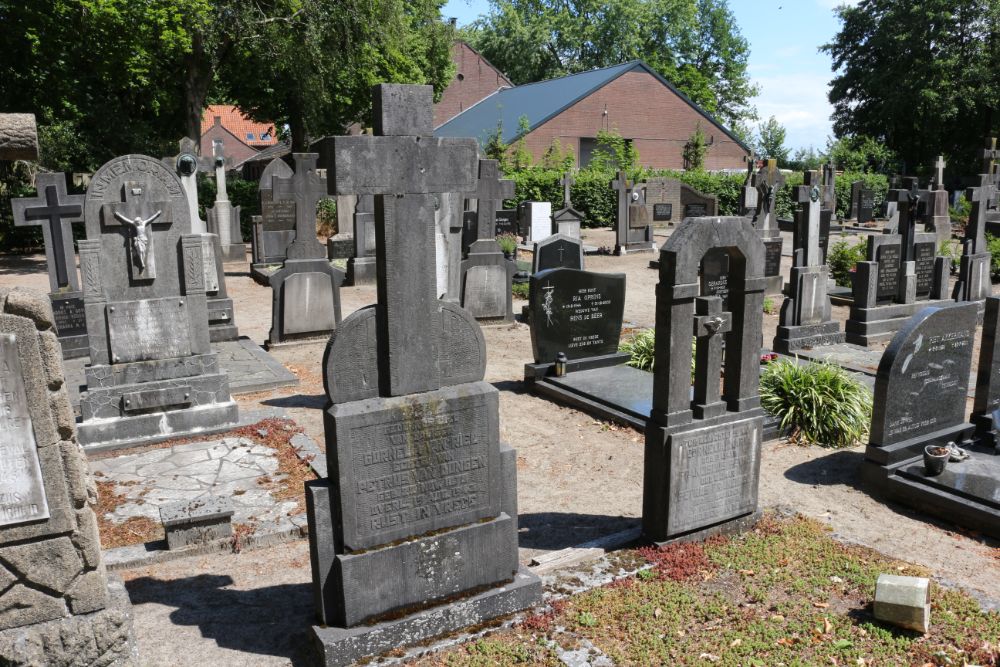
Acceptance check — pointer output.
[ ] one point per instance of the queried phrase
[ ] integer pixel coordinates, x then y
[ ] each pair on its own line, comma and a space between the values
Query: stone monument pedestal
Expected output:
361, 271
340, 246
305, 302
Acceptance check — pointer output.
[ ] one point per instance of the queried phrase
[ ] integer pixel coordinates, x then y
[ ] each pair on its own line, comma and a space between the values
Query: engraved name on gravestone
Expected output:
866, 208
148, 329
575, 312
506, 222
716, 476
772, 257
408, 478
923, 255
22, 492
888, 258
70, 316
923, 377
715, 275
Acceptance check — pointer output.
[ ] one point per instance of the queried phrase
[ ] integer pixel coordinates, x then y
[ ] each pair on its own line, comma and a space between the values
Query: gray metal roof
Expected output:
540, 101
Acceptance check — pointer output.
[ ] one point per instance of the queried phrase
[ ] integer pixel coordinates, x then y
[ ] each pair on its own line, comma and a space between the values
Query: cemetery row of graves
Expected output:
412, 518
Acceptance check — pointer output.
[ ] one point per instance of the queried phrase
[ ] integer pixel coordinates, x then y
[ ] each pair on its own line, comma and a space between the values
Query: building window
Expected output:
249, 136
266, 136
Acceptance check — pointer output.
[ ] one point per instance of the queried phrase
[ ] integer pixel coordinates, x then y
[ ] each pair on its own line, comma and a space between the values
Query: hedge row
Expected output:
593, 197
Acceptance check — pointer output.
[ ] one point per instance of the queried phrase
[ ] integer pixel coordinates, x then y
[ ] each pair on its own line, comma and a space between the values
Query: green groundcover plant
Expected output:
816, 403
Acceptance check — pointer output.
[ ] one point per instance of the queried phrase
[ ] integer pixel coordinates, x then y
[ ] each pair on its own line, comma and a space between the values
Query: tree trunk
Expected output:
197, 79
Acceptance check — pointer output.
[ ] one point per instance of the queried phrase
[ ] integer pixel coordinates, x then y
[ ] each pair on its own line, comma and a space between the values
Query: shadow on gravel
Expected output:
17, 264
273, 620
313, 401
839, 467
551, 531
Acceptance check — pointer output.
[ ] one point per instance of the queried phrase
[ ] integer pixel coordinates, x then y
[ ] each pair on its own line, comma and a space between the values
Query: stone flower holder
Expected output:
935, 459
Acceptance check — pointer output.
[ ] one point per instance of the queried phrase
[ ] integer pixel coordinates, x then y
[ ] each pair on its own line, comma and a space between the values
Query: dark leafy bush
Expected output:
842, 259
816, 403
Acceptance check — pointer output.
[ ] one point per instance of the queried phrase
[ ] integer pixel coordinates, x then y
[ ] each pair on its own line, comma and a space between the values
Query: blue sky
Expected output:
784, 37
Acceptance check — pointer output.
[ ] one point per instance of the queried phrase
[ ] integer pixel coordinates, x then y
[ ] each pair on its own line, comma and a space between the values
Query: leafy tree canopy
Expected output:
694, 44
771, 141
923, 76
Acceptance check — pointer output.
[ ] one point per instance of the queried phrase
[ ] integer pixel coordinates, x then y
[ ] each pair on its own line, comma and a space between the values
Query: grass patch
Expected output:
640, 347
816, 403
520, 290
782, 593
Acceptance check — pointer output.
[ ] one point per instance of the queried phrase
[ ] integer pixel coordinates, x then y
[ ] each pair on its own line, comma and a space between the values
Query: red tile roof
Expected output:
233, 120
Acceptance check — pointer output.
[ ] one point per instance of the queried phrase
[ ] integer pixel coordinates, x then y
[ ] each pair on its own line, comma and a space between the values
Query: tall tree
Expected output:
695, 44
922, 76
771, 141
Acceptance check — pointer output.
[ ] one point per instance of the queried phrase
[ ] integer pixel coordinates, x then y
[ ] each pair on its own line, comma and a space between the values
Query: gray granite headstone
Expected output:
55, 212
557, 251
277, 230
703, 445
419, 509
58, 606
147, 312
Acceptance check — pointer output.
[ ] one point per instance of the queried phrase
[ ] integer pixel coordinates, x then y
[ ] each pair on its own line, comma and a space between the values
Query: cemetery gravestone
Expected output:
341, 244
702, 457
669, 200
987, 400
507, 223
361, 267
221, 313
974, 279
223, 217
567, 220
536, 220
557, 252
55, 212
58, 606
769, 181
829, 189
395, 561
451, 244
152, 372
806, 314
305, 292
633, 226
486, 274
856, 187
749, 195
277, 227
714, 274
18, 137
939, 214
920, 401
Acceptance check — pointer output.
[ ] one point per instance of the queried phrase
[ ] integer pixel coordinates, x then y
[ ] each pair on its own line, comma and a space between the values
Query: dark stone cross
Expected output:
623, 186
975, 231
404, 166
306, 188
769, 181
491, 190
710, 323
908, 203
55, 212
143, 213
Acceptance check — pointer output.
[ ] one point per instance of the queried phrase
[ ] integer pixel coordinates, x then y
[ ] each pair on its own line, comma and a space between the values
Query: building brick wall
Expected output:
233, 147
640, 108
474, 80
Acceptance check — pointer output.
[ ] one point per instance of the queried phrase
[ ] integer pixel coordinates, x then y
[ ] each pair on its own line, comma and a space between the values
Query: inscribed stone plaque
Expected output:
695, 210
485, 291
148, 329
576, 312
506, 222
662, 212
713, 474
410, 465
866, 207
888, 258
715, 275
772, 257
308, 303
923, 255
279, 216
70, 317
555, 253
22, 491
923, 377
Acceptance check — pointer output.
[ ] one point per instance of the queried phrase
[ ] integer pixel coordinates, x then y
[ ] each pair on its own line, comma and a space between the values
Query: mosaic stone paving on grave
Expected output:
226, 467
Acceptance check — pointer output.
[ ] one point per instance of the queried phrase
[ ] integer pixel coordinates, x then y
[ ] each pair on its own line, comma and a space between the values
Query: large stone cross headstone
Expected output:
807, 230
223, 217
491, 190
974, 271
55, 212
749, 195
306, 188
769, 180
407, 403
990, 155
486, 273
140, 216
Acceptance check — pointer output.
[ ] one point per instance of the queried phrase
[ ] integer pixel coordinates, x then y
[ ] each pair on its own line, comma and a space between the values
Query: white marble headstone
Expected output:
539, 216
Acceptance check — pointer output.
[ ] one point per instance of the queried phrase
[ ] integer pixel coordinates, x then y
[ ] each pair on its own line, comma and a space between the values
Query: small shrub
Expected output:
640, 346
993, 245
816, 403
842, 259
508, 243
769, 306
520, 290
326, 217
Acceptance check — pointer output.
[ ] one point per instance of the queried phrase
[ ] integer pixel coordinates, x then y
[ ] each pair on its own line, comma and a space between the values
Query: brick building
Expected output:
241, 138
475, 79
631, 99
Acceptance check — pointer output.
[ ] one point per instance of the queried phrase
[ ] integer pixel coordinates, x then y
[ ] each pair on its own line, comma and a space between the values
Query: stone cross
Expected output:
975, 231
829, 189
55, 212
907, 202
306, 188
405, 166
491, 190
749, 197
136, 207
809, 196
769, 181
622, 185
186, 164
939, 174
567, 182
710, 323
990, 155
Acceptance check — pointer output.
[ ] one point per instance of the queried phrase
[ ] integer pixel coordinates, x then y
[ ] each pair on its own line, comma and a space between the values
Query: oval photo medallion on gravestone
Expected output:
22, 492
576, 312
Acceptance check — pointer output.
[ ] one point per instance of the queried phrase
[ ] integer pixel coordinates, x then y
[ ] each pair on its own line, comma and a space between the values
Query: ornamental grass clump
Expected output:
816, 403
640, 347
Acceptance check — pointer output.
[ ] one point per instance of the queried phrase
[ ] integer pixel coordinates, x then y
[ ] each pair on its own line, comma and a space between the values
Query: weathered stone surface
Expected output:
903, 601
18, 137
23, 302
51, 358
52, 564
200, 522
88, 593
21, 606
87, 539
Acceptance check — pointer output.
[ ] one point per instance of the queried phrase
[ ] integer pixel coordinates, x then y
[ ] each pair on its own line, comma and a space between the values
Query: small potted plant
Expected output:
935, 458
508, 243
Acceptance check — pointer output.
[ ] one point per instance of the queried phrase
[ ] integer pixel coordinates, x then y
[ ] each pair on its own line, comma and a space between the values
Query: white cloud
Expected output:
798, 101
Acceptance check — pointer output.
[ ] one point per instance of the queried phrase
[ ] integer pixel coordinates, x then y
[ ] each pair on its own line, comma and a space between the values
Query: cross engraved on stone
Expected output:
136, 213
140, 239
55, 212
490, 192
404, 166
709, 322
306, 188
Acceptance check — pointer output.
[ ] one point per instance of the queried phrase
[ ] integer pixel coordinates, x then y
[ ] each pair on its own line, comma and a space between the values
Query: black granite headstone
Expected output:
695, 210
576, 312
506, 222
866, 207
558, 252
663, 212
888, 258
923, 255
772, 257
715, 275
